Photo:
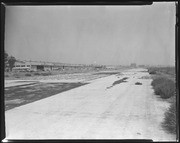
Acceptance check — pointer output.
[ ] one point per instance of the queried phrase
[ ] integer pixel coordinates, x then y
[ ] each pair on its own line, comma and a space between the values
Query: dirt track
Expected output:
93, 111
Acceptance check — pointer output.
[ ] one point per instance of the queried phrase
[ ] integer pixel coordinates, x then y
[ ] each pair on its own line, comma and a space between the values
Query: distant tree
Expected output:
6, 57
11, 61
5, 61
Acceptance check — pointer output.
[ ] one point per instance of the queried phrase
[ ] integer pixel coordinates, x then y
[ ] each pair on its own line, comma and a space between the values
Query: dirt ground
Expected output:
20, 92
29, 92
93, 111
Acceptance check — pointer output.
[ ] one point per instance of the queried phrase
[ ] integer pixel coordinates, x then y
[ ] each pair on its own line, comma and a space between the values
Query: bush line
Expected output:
163, 87
166, 89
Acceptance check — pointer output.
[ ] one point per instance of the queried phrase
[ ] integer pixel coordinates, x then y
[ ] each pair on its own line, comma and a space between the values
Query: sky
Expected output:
109, 35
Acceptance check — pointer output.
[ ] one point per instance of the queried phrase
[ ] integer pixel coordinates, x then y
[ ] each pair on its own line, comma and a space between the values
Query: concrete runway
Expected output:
93, 111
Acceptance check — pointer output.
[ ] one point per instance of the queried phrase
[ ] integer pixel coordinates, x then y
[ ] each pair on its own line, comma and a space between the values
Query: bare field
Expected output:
23, 94
33, 88
124, 111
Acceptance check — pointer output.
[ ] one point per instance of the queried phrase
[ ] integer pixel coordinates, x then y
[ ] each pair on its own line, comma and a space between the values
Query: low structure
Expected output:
37, 65
48, 66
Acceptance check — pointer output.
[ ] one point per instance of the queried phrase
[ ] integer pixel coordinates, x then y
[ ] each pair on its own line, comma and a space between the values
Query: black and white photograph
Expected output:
90, 72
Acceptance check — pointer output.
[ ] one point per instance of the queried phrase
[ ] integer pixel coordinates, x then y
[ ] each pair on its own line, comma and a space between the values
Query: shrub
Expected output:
169, 122
16, 75
27, 74
37, 73
163, 87
46, 73
138, 83
158, 81
152, 72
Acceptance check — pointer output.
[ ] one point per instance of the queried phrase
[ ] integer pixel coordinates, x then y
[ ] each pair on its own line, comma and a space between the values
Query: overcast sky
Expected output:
116, 35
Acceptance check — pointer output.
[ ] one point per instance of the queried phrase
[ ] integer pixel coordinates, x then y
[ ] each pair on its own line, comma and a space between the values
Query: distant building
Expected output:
142, 66
48, 66
36, 65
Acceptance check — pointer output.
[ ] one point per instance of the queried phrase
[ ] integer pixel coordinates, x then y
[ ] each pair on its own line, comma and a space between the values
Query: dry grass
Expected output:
170, 119
168, 71
27, 74
163, 87
151, 71
36, 73
46, 73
